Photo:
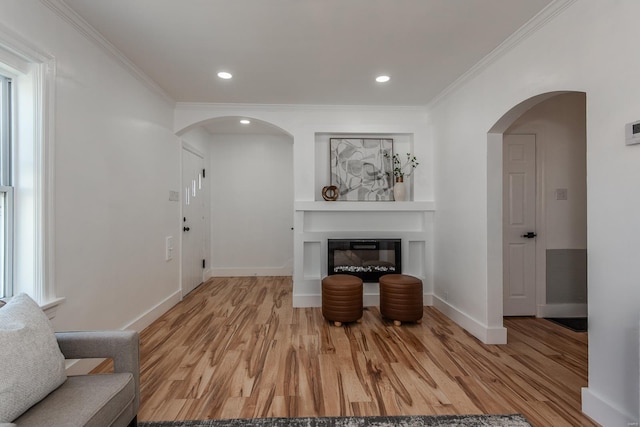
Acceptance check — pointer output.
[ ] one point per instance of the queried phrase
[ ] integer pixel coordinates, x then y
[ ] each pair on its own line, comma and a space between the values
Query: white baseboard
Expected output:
84, 366
371, 300
427, 299
562, 310
488, 335
151, 315
248, 272
308, 300
602, 412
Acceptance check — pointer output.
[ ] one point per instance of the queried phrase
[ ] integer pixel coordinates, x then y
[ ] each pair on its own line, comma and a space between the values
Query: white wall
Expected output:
304, 124
251, 205
115, 162
586, 48
250, 201
199, 139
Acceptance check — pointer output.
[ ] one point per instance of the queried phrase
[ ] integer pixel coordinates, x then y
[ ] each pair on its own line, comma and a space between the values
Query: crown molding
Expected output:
83, 27
543, 17
18, 53
533, 25
296, 107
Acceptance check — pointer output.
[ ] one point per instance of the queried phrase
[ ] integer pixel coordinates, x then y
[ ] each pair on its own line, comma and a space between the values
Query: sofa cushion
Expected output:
85, 400
31, 364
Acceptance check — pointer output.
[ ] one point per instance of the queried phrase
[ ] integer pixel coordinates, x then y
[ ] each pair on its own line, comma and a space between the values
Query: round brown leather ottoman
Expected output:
401, 298
342, 298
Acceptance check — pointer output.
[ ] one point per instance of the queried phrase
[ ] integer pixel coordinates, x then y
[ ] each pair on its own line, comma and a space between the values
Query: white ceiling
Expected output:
232, 125
306, 51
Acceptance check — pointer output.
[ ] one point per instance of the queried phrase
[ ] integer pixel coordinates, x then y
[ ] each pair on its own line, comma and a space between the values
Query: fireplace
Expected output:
366, 258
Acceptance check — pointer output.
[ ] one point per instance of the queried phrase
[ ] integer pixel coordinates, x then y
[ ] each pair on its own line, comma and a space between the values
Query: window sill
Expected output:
50, 308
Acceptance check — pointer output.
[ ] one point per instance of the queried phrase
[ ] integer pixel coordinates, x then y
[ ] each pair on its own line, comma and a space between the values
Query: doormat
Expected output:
576, 324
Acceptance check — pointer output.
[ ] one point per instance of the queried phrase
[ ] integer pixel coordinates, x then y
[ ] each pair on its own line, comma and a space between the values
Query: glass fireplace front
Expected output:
366, 258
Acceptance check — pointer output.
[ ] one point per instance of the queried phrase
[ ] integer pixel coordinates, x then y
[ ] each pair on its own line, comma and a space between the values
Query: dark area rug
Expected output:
513, 420
577, 324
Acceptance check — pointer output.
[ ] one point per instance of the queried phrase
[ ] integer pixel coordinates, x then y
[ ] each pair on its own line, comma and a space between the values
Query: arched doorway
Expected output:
549, 276
249, 171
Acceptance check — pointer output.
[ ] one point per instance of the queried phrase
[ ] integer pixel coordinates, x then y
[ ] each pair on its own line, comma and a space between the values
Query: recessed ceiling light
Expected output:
224, 75
382, 79
245, 121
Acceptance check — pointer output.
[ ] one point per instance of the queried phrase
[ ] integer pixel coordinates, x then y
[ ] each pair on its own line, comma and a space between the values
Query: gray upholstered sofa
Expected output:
85, 400
93, 400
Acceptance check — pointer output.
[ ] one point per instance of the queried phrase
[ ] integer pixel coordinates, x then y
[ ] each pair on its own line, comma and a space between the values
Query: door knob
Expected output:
529, 235
185, 228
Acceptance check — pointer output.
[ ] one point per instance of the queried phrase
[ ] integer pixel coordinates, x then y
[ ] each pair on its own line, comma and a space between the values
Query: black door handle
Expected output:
529, 235
185, 229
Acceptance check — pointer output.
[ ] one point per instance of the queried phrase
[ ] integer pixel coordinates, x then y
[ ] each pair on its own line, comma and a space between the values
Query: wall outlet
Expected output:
174, 196
632, 133
562, 194
168, 248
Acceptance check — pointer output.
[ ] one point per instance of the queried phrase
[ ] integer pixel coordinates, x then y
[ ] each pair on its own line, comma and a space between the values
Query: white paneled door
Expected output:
519, 221
193, 220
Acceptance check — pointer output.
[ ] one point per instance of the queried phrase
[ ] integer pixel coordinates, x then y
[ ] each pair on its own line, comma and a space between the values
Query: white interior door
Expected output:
193, 220
519, 220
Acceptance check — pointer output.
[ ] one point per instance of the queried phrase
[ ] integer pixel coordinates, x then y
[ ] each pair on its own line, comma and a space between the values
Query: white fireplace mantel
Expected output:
365, 206
317, 221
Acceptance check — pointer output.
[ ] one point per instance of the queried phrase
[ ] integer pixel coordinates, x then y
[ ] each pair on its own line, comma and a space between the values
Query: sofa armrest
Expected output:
121, 346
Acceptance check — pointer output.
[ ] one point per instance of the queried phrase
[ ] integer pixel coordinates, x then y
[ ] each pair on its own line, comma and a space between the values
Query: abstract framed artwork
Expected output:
362, 168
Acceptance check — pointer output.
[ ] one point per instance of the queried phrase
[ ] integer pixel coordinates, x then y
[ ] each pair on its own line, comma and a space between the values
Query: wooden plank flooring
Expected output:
236, 348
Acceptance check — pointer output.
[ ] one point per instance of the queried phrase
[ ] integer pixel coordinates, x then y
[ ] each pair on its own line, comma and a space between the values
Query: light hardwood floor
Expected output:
236, 348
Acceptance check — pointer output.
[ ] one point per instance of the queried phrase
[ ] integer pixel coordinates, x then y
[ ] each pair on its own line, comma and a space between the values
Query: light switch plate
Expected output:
632, 133
562, 194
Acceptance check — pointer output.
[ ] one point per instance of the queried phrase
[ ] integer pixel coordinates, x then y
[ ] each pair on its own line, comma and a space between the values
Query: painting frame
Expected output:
362, 168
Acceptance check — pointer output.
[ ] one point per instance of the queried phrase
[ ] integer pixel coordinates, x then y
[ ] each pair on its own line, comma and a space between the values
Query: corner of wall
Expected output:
486, 334
603, 412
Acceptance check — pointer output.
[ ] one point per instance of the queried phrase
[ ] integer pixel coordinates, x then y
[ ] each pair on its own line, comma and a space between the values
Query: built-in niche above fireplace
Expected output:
366, 258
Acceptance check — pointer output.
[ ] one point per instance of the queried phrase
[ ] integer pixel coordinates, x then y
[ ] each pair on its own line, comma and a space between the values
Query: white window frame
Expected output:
6, 189
6, 251
33, 75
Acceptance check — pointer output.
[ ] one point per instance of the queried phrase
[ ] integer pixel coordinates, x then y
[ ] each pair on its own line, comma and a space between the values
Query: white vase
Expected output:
399, 190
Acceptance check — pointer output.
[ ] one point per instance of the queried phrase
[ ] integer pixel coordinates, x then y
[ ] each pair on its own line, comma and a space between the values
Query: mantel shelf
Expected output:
310, 206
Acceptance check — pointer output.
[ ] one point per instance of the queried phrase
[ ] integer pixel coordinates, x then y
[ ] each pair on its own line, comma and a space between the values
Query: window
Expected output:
6, 190
27, 79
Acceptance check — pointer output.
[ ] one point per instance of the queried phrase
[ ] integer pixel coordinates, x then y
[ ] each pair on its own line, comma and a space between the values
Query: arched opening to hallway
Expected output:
537, 208
249, 206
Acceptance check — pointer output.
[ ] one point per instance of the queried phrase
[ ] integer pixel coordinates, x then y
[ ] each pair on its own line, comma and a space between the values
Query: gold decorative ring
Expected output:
330, 193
